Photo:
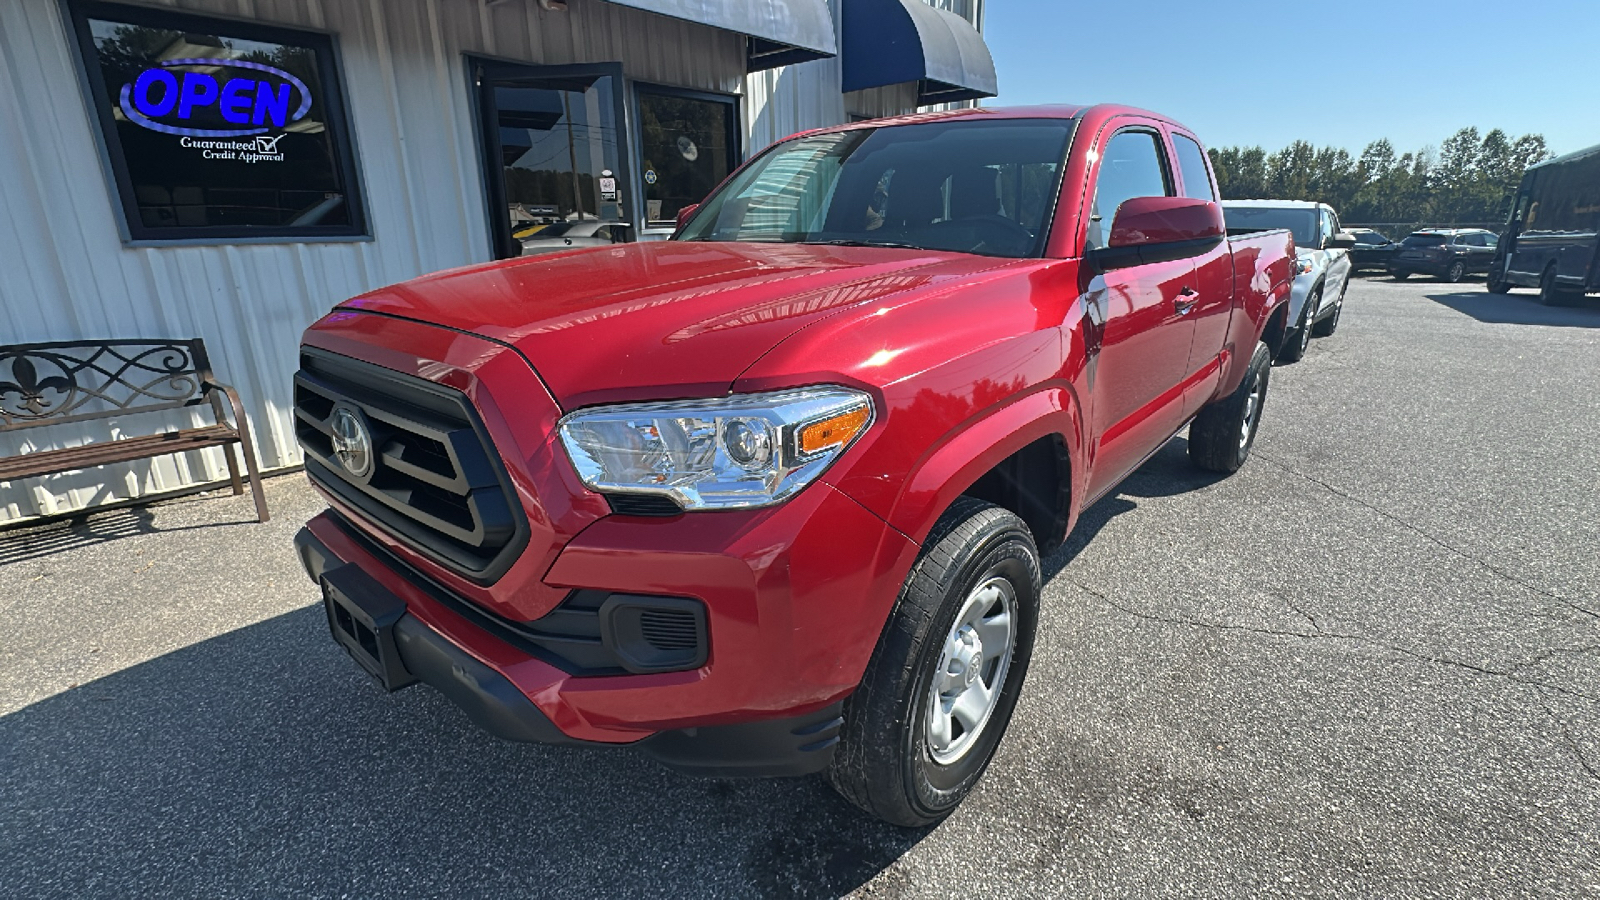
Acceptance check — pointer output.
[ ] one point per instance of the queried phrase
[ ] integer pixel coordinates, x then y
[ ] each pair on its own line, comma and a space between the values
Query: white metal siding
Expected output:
69, 276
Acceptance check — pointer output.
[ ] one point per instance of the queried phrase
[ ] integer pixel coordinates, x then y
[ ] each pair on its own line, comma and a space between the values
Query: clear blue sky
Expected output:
1340, 73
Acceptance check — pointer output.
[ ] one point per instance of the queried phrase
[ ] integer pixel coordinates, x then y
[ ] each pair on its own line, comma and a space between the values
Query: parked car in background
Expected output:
1372, 251
1553, 239
1322, 273
767, 498
567, 235
1449, 254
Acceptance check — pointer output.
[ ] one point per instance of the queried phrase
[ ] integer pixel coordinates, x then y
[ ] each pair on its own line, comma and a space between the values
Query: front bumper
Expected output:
795, 597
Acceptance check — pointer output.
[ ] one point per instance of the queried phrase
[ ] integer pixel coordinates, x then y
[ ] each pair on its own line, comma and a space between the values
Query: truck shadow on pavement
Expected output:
262, 763
1521, 308
1166, 474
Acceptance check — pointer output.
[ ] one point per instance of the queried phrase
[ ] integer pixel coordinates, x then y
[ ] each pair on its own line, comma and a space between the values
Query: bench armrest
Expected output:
239, 421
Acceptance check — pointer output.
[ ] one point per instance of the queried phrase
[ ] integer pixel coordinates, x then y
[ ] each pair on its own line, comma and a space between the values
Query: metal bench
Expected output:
75, 381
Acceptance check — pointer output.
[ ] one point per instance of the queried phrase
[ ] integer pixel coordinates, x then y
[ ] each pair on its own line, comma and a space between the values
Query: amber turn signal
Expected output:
832, 431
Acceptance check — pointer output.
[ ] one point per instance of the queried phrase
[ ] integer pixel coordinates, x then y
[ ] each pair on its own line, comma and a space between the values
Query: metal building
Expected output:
231, 169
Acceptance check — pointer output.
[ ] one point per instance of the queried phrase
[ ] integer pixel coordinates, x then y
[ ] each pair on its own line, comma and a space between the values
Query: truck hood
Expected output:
662, 320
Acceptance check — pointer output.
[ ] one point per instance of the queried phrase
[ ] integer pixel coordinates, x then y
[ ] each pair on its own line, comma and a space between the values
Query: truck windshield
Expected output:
974, 186
1250, 219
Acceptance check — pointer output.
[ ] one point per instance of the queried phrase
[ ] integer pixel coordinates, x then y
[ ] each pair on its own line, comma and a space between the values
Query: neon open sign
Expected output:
255, 105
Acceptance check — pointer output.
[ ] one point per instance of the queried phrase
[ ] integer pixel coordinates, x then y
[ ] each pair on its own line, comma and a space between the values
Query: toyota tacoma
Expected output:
769, 498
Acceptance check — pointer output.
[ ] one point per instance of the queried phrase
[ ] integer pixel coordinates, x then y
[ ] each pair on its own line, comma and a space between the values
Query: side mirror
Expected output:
1344, 240
1158, 229
684, 215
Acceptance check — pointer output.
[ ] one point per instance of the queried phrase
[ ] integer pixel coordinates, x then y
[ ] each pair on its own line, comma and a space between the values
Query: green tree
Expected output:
1471, 178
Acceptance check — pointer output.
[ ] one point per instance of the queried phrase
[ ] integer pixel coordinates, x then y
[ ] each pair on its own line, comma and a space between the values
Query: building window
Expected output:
219, 130
688, 143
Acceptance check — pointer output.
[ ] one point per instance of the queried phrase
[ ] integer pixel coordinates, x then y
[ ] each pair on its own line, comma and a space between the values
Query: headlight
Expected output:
742, 451
1302, 266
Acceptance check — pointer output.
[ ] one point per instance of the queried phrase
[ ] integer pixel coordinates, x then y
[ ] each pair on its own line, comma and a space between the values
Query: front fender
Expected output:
979, 445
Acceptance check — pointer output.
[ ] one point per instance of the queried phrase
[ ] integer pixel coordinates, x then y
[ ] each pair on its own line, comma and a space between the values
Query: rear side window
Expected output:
1192, 163
1425, 240
1131, 165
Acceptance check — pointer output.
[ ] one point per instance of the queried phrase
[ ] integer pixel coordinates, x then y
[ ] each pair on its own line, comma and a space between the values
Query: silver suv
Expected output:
1324, 263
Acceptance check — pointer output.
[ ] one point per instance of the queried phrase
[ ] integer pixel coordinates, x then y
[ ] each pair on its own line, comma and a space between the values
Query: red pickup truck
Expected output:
769, 498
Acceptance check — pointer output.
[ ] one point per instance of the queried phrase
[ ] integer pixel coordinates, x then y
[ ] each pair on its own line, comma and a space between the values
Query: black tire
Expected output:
1218, 439
884, 763
1497, 285
1551, 294
1299, 340
1330, 322
1399, 276
1456, 272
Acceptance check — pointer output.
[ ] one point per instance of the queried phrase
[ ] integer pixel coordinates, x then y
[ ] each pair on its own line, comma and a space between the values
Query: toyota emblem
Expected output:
352, 441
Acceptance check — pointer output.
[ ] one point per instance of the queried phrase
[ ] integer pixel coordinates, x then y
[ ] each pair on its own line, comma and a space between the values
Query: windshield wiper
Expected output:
852, 243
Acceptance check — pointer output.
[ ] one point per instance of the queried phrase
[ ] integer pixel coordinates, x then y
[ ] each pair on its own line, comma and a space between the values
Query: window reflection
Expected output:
559, 152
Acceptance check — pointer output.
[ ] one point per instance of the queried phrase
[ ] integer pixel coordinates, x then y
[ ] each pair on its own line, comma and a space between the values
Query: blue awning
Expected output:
896, 41
781, 32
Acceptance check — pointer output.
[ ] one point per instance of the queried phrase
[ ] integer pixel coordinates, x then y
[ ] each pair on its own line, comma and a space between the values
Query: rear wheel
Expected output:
1550, 293
1399, 275
1455, 273
944, 679
1222, 434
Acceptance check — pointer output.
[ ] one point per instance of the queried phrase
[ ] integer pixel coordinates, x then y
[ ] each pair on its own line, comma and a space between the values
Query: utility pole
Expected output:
572, 155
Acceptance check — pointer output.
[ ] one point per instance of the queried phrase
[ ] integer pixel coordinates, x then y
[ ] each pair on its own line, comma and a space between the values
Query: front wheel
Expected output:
1497, 285
944, 679
1294, 349
1222, 434
1399, 275
1330, 323
1455, 273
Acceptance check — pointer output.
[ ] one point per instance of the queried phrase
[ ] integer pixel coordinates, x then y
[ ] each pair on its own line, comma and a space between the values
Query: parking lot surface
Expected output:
1366, 665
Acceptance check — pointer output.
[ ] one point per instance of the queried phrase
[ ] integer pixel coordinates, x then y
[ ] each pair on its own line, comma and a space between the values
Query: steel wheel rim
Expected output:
973, 664
1252, 411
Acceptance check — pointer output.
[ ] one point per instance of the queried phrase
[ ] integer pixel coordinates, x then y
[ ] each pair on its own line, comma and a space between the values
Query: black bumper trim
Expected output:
488, 698
800, 745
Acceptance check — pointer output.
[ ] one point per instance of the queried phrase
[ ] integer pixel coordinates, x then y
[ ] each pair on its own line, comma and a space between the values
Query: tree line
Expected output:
1467, 179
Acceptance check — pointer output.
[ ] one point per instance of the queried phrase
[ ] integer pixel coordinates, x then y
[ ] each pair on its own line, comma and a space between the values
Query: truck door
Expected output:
1338, 261
1144, 352
1213, 309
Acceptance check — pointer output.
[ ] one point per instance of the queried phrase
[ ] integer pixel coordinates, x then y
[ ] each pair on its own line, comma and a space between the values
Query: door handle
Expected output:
1185, 301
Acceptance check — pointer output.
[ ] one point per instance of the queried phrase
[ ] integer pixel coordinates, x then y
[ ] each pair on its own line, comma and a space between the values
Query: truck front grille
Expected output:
431, 477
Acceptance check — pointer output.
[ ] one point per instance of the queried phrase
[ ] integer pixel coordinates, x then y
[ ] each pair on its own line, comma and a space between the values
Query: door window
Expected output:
1132, 165
1192, 163
552, 135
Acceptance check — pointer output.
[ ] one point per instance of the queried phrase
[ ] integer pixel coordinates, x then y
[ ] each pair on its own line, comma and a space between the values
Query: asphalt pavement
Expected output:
1367, 665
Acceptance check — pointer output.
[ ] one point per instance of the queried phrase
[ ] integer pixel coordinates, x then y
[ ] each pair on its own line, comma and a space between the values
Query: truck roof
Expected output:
1049, 111
1574, 156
